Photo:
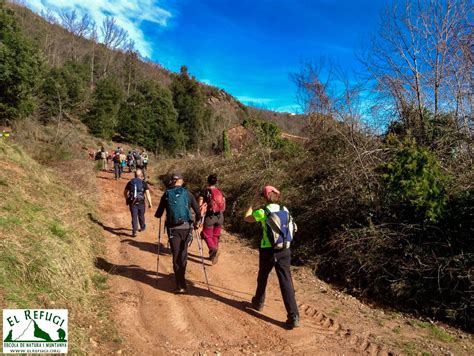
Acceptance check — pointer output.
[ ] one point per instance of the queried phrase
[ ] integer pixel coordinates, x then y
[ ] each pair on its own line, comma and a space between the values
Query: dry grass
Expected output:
48, 243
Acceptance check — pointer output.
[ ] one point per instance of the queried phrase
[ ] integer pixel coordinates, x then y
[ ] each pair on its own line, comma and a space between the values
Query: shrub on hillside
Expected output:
413, 178
20, 69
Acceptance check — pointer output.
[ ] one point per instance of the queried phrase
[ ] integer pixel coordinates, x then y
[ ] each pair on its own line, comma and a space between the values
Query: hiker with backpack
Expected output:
135, 193
178, 201
117, 165
145, 160
278, 230
212, 202
123, 161
103, 159
130, 162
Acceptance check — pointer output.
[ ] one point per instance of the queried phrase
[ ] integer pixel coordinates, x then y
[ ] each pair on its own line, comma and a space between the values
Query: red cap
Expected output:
268, 189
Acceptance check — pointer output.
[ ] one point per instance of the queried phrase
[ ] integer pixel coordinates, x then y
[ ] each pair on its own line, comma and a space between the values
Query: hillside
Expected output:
61, 46
48, 244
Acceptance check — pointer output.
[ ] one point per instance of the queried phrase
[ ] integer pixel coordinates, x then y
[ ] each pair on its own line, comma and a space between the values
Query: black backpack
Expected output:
136, 192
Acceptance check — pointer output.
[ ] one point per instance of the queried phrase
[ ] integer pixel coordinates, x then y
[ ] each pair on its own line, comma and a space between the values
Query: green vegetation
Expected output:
189, 102
440, 334
414, 177
64, 90
389, 216
48, 245
397, 329
102, 118
20, 68
149, 119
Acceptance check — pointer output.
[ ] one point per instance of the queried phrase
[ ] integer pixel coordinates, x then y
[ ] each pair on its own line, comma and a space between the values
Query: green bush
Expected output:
413, 177
20, 69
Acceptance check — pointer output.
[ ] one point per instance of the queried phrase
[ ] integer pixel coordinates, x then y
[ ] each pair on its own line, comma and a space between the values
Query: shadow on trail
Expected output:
135, 272
151, 247
147, 246
166, 284
118, 231
106, 178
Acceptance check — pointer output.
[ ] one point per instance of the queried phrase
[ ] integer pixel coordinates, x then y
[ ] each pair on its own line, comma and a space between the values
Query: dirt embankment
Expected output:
154, 321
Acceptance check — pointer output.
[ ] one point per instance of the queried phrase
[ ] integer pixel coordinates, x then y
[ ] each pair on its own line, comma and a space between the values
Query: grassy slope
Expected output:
47, 244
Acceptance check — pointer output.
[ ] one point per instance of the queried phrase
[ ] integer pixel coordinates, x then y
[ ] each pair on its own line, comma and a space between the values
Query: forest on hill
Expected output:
64, 72
388, 216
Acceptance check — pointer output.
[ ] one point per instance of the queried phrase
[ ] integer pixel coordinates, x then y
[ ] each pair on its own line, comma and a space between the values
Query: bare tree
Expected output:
49, 16
78, 25
131, 58
325, 88
312, 90
417, 61
114, 38
94, 38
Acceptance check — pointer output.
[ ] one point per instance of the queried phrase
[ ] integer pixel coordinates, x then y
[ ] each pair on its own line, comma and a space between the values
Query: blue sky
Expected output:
248, 48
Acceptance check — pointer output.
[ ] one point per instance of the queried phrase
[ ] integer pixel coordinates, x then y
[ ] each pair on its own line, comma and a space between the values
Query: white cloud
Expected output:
206, 81
129, 15
250, 99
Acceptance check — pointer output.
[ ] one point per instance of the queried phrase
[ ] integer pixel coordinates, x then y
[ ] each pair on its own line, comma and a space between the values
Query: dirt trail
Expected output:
154, 321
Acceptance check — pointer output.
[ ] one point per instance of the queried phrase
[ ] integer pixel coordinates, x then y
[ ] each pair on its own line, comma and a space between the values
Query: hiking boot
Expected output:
293, 322
179, 291
215, 258
134, 234
212, 252
257, 305
142, 229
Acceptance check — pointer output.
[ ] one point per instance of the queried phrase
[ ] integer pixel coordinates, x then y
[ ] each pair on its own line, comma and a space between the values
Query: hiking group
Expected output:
178, 202
133, 160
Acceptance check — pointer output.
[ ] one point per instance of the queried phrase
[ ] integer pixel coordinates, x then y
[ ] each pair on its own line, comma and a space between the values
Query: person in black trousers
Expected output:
135, 193
177, 202
270, 257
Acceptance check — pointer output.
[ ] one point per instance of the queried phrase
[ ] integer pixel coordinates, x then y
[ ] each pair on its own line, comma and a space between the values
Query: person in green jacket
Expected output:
270, 257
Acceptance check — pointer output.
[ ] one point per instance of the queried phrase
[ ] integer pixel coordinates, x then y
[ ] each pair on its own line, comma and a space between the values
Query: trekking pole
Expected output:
158, 255
168, 247
202, 260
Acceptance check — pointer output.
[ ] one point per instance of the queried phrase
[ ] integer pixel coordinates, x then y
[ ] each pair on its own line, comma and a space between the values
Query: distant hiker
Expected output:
97, 155
213, 202
117, 165
278, 229
139, 161
123, 161
135, 192
103, 159
130, 162
177, 202
145, 160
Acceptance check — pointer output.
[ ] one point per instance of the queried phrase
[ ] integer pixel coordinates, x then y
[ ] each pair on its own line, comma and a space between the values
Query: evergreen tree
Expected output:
102, 118
149, 119
190, 103
20, 69
64, 89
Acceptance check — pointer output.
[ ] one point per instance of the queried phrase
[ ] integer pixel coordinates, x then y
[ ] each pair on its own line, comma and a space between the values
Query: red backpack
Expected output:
216, 200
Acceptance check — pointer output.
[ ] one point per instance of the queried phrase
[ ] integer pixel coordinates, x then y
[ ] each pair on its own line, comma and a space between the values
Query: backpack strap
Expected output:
266, 210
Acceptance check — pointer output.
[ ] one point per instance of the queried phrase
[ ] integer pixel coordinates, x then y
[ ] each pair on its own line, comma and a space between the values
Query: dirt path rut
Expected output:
154, 321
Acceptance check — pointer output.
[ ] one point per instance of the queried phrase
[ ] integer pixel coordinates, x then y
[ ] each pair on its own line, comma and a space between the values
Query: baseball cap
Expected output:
176, 176
269, 189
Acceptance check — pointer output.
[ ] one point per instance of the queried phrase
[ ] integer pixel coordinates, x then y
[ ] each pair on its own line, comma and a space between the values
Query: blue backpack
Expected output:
280, 228
177, 206
136, 192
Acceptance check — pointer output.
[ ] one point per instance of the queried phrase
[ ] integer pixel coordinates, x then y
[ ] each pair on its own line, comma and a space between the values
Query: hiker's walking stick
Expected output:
202, 261
158, 255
